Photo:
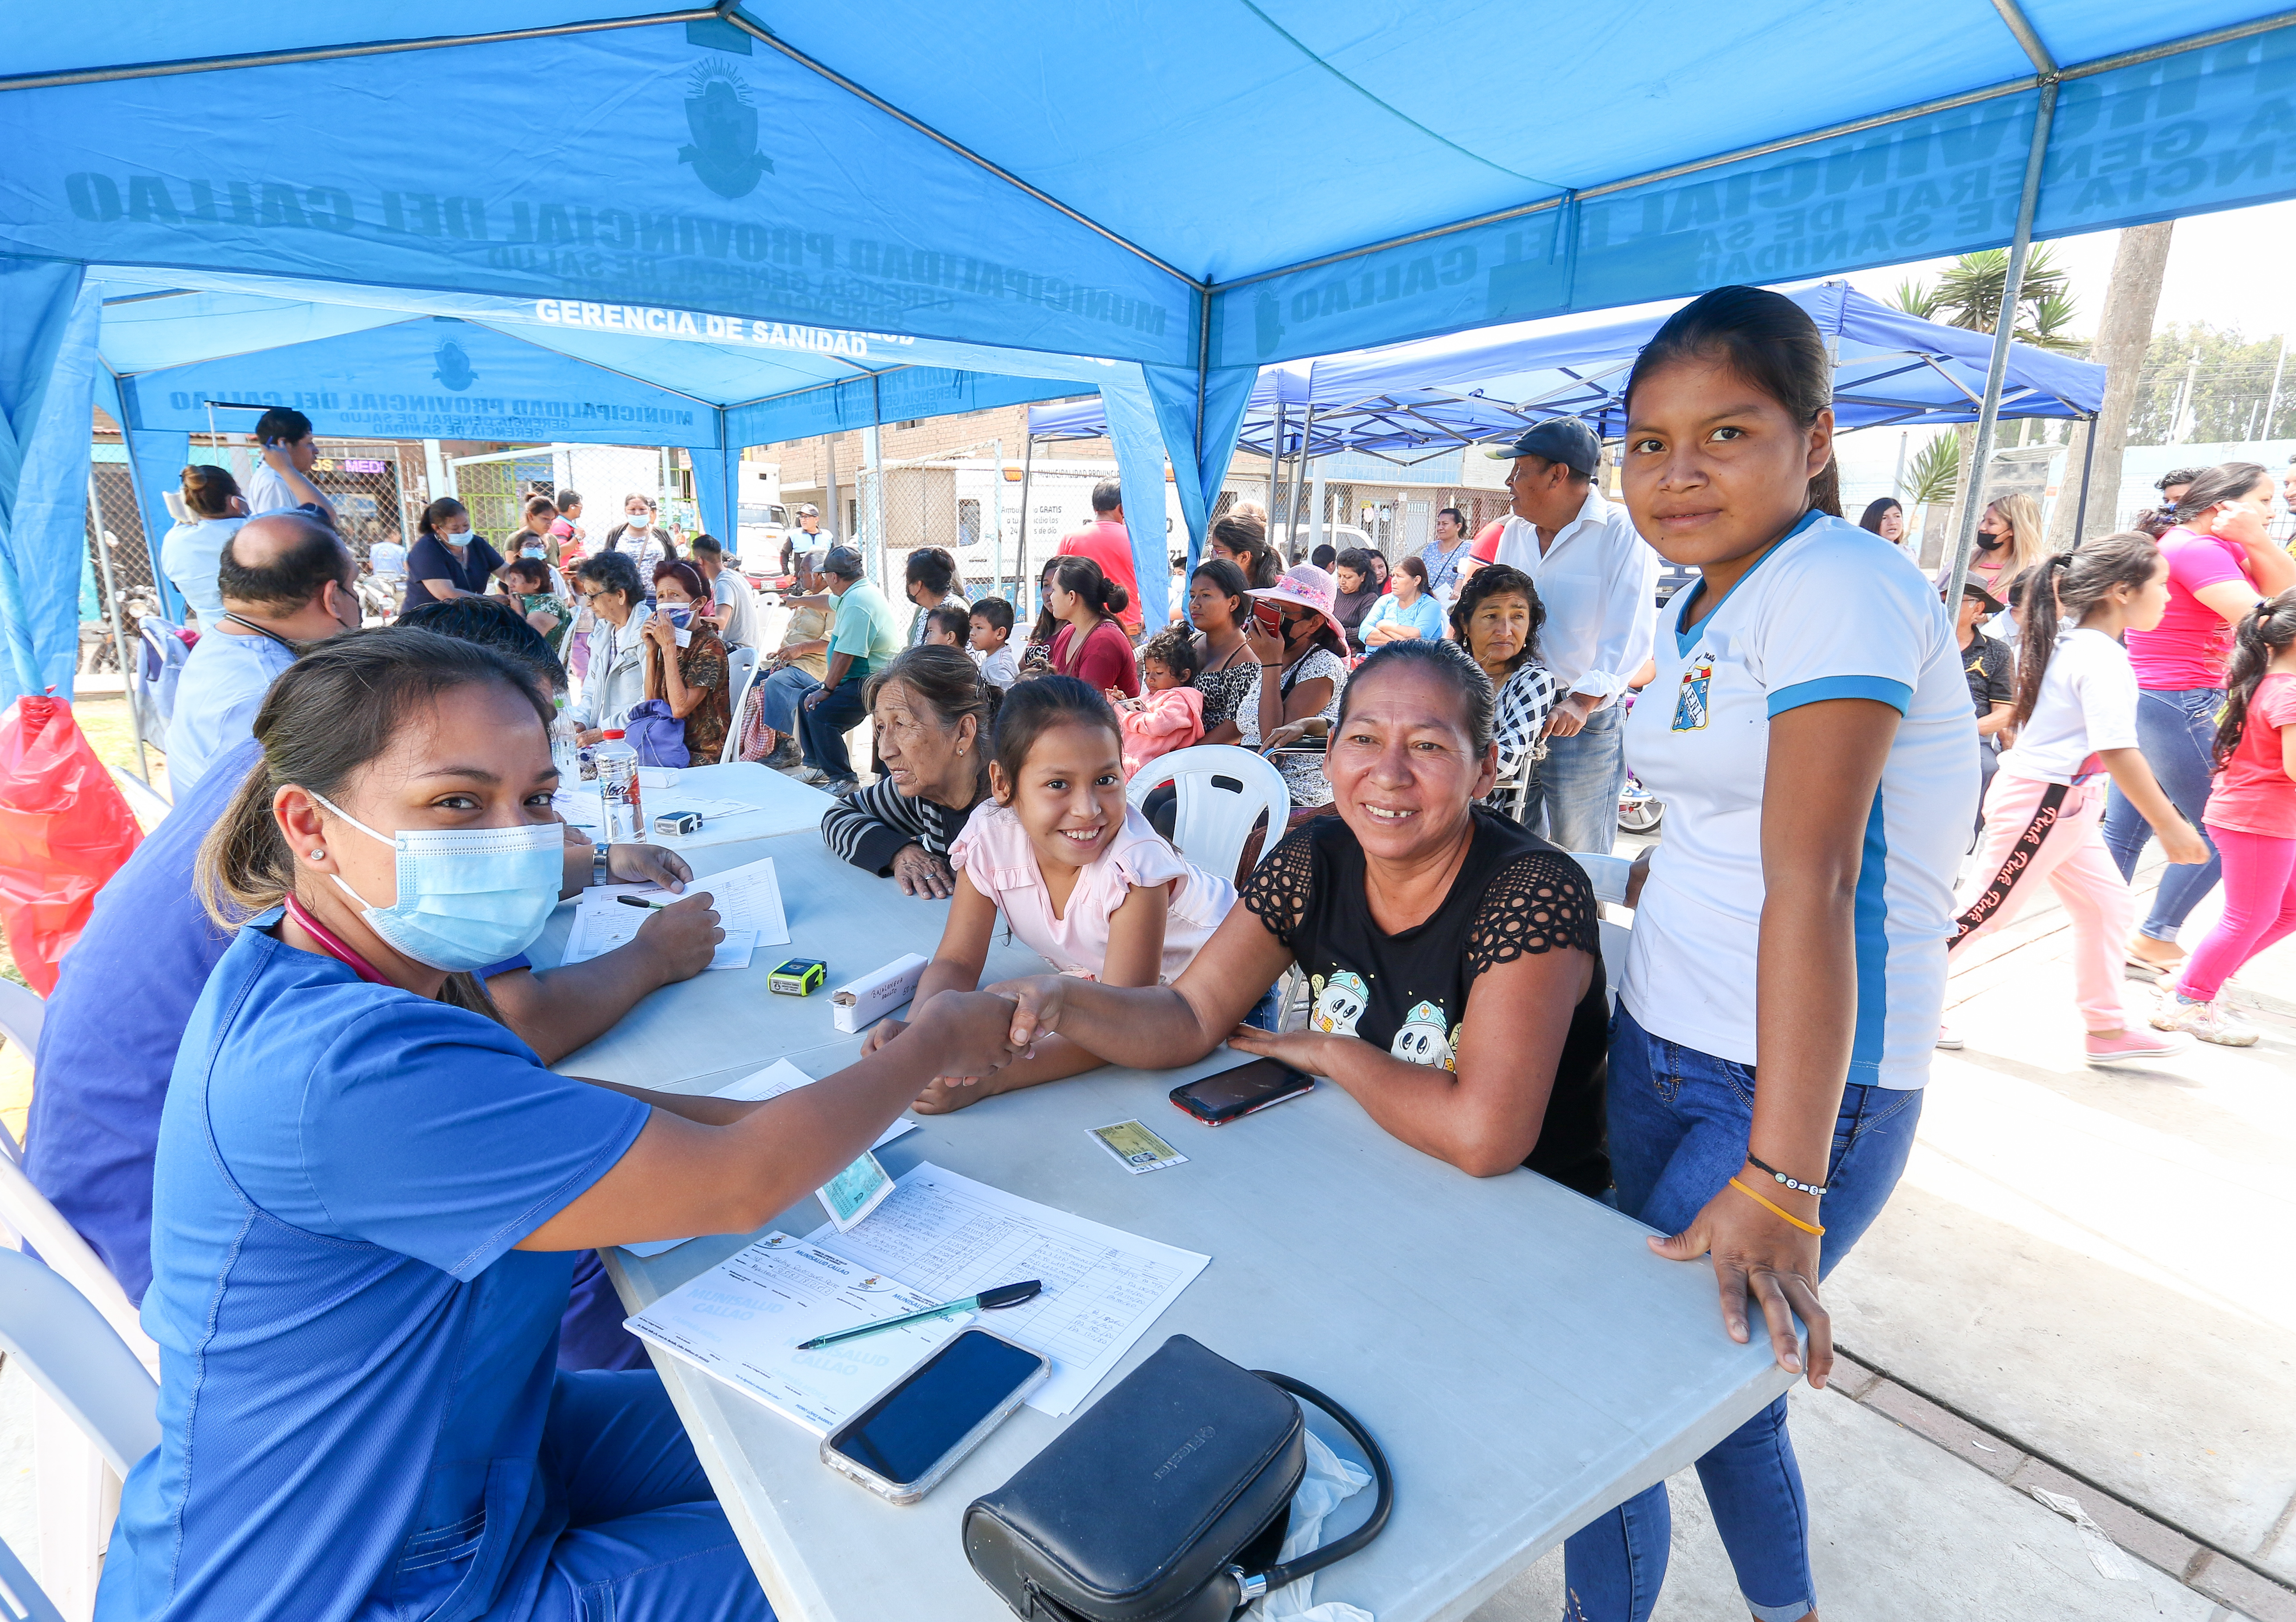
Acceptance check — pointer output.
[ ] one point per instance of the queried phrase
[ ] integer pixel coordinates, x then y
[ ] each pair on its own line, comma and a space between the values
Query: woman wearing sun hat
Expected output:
1303, 668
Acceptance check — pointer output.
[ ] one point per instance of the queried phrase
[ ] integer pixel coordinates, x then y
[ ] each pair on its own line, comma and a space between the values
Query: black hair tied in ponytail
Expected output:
2262, 631
2065, 587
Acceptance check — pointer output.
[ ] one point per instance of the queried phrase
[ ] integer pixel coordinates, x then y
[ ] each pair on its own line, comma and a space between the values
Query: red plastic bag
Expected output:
65, 829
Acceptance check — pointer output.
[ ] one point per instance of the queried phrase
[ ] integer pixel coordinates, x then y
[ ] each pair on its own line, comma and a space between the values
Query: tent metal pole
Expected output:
996, 522
1022, 577
1298, 481
2005, 326
119, 620
1275, 465
2088, 460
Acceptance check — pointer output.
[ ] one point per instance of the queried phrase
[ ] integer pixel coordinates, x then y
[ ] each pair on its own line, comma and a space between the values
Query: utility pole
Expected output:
2272, 407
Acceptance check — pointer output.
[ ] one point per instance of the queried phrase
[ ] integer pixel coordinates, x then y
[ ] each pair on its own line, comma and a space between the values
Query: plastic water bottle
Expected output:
566, 748
617, 790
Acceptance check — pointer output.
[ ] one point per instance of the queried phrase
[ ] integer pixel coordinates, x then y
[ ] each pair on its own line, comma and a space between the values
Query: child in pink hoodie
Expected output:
1169, 712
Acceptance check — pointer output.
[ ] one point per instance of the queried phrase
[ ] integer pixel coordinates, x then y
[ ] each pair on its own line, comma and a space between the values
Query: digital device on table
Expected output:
1246, 1090
903, 1443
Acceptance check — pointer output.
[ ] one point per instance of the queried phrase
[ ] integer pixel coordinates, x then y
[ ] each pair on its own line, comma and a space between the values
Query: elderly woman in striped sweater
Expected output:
936, 720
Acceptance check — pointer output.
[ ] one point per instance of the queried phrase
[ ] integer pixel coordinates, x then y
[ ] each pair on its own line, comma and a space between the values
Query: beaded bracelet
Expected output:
1777, 1208
1800, 1188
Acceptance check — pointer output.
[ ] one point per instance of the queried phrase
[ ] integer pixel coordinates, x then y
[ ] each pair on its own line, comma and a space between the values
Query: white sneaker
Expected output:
1948, 1039
2209, 1021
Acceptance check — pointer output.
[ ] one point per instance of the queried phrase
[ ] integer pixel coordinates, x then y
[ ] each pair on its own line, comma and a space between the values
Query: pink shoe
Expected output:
2132, 1045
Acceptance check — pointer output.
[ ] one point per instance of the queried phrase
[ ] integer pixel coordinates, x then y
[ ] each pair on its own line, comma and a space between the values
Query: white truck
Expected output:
760, 522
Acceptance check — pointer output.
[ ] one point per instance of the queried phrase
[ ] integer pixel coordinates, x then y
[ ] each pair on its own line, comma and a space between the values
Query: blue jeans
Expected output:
1573, 795
821, 728
2177, 733
646, 1541
780, 696
1680, 1124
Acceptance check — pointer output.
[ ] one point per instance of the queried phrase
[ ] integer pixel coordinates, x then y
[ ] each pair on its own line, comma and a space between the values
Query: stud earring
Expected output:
318, 856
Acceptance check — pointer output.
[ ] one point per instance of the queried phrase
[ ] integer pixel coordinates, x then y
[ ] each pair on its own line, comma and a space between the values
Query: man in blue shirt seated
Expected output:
124, 992
285, 580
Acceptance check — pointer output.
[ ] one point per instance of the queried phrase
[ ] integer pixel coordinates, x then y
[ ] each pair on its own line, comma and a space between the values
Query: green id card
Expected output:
856, 1191
1136, 1149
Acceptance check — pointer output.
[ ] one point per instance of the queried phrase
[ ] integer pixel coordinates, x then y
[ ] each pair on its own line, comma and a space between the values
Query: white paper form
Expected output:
775, 1079
746, 898
602, 923
742, 1320
949, 1236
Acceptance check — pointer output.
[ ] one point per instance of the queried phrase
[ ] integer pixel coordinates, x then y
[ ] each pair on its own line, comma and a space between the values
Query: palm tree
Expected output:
1967, 293
1935, 473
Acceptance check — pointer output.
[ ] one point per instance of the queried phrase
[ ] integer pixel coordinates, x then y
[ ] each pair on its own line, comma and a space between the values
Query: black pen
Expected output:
632, 900
987, 1300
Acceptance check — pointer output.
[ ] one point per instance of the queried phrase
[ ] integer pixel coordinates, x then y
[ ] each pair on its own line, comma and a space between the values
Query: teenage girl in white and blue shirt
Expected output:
1808, 731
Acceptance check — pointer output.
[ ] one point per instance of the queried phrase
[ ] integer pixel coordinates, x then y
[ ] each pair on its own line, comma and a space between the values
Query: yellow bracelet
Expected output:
1781, 1210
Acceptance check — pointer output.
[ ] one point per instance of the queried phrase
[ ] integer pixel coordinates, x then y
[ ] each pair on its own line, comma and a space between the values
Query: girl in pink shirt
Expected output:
1079, 876
2251, 815
1169, 714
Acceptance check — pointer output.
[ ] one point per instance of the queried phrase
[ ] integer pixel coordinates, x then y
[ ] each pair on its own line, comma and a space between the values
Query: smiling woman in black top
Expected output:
1452, 955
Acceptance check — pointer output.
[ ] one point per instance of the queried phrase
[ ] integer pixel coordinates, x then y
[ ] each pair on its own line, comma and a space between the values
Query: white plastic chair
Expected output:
100, 1416
740, 670
1608, 874
21, 1014
1222, 792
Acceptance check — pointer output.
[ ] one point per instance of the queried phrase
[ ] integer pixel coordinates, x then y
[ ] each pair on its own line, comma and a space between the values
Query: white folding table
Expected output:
1522, 1356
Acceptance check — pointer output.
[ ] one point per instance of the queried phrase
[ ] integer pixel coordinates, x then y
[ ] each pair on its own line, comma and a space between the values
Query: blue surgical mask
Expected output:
468, 897
679, 617
533, 551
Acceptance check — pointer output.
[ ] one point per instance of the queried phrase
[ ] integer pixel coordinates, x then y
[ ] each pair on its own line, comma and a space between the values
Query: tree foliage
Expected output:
2230, 376
1935, 472
1968, 294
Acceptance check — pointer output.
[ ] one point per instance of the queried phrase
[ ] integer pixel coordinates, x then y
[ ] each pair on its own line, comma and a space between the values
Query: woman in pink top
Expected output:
1091, 645
2221, 564
1080, 876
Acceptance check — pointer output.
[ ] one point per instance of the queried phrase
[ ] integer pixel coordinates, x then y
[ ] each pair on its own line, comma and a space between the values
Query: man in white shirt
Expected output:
287, 580
737, 605
290, 451
1597, 579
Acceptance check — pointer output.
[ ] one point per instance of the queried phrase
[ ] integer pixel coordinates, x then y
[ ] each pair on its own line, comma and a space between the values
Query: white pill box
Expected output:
858, 1004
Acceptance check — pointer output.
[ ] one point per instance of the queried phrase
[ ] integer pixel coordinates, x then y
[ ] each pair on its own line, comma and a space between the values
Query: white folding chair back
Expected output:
32, 1221
1508, 796
149, 805
1222, 791
72, 1354
98, 1416
23, 1599
1608, 875
740, 670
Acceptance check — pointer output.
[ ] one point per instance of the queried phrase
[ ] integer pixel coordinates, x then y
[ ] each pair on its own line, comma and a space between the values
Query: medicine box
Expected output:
798, 977
861, 1003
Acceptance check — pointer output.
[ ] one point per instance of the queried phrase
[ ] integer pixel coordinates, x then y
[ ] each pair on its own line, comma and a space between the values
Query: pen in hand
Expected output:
632, 900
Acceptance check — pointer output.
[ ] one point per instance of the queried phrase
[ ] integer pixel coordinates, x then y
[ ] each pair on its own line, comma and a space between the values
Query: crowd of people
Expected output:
391, 1384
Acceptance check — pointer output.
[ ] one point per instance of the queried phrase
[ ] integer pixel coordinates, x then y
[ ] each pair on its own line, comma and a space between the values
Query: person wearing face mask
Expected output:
536, 541
2222, 562
2010, 540
619, 610
450, 560
686, 664
645, 541
315, 1191
213, 509
285, 580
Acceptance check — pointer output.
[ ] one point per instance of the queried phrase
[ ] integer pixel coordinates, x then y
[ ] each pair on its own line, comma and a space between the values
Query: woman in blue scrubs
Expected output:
370, 1196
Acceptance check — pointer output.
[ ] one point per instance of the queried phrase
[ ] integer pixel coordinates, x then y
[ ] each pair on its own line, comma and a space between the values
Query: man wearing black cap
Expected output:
1597, 580
1992, 672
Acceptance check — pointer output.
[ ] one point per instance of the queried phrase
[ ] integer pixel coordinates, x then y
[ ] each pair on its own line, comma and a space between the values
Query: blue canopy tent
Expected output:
179, 361
1413, 401
1067, 181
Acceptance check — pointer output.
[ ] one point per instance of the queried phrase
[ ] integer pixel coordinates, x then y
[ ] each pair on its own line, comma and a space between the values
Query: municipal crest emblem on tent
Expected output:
723, 120
453, 368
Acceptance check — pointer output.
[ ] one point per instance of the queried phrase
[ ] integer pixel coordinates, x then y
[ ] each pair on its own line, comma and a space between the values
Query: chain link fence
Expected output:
962, 501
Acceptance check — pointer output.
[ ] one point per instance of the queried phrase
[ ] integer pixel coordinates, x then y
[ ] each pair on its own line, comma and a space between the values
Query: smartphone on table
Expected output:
901, 1444
1246, 1090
